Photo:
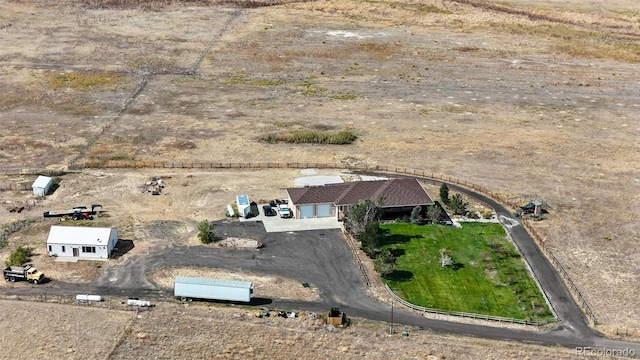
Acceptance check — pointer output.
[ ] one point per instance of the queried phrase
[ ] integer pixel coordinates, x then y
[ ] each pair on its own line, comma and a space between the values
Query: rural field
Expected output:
528, 99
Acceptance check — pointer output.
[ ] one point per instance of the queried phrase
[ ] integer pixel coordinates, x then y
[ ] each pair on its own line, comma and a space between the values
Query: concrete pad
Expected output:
278, 224
70, 259
317, 180
301, 225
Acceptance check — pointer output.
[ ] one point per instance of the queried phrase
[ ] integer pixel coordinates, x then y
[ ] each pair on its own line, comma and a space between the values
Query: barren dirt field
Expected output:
524, 98
173, 331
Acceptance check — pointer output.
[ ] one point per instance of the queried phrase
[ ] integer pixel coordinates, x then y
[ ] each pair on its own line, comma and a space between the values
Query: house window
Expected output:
63, 249
49, 248
89, 249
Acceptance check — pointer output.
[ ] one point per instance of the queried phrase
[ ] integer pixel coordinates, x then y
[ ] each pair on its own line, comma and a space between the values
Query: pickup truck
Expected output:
284, 210
27, 273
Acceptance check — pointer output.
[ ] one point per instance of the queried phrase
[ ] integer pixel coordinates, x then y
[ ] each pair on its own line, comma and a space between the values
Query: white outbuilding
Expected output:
42, 185
90, 243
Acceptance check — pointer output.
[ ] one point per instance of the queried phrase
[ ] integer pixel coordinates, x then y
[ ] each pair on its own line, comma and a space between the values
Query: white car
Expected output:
284, 211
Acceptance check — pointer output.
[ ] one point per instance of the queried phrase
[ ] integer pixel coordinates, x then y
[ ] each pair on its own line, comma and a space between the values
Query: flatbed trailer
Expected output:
75, 210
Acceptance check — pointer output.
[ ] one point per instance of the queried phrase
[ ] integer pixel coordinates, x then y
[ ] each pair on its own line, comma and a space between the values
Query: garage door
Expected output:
306, 211
324, 210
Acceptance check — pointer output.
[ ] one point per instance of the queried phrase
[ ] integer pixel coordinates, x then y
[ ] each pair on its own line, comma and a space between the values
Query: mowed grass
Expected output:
488, 275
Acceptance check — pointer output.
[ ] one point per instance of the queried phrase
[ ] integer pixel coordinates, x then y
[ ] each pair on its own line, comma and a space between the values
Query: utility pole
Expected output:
391, 325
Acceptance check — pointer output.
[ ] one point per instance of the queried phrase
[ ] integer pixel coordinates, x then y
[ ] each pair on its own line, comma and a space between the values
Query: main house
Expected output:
334, 200
90, 243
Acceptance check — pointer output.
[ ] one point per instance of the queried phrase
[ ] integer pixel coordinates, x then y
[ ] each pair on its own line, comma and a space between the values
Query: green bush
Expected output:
473, 215
19, 256
311, 137
206, 232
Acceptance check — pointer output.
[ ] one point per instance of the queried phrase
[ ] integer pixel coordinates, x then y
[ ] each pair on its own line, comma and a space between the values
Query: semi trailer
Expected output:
189, 288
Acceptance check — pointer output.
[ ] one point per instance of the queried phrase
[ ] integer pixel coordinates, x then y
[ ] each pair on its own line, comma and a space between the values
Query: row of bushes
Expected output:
312, 137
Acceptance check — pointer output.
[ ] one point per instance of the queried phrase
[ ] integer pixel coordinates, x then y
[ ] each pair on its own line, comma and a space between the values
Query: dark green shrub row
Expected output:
312, 137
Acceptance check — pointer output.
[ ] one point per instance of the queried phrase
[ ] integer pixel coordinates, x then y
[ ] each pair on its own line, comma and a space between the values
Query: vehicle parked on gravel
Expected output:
27, 273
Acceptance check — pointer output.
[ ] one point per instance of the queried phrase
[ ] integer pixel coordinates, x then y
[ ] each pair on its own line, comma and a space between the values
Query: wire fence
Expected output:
354, 250
13, 171
78, 165
467, 315
15, 187
7, 230
561, 270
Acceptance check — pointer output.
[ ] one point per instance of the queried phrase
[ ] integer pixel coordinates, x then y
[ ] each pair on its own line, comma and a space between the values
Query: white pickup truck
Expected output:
284, 210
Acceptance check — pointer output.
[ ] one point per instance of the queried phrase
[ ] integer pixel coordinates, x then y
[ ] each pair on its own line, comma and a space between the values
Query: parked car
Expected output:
284, 211
269, 211
253, 210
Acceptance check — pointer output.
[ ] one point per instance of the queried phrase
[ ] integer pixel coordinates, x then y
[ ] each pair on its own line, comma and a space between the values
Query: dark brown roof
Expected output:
396, 192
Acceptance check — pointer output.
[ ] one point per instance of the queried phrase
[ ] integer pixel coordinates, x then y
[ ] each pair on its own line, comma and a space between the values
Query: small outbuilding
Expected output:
89, 243
242, 201
42, 185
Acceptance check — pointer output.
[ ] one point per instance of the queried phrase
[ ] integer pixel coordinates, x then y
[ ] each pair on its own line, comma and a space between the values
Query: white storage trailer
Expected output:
187, 288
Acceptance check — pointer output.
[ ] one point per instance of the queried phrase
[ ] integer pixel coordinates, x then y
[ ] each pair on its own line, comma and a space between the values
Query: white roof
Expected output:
317, 180
42, 182
242, 199
79, 235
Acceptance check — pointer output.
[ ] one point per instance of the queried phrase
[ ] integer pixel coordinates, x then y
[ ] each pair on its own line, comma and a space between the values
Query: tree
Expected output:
206, 232
434, 213
458, 205
445, 258
444, 193
370, 238
361, 214
385, 263
416, 215
19, 256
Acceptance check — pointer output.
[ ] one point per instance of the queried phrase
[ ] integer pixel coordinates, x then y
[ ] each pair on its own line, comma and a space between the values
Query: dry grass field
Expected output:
173, 331
517, 96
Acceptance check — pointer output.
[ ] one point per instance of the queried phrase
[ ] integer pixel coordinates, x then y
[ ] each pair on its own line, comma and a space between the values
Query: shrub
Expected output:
458, 204
416, 216
19, 256
343, 137
473, 215
206, 232
444, 193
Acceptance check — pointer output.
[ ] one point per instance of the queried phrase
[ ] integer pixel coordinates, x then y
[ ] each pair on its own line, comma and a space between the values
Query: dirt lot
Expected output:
201, 331
523, 98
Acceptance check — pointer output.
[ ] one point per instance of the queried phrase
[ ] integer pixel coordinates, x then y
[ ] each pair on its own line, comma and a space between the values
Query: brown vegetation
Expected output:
522, 98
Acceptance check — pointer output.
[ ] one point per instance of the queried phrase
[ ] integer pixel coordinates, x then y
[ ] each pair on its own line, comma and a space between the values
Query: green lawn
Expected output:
488, 275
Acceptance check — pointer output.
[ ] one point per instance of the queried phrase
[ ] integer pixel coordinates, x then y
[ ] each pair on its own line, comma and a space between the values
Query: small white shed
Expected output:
42, 185
91, 243
242, 201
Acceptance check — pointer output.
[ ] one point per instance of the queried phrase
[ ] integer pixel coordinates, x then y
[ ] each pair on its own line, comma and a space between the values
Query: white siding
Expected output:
42, 185
81, 242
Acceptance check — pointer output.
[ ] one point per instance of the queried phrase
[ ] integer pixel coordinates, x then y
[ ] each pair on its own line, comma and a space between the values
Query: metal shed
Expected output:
42, 185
